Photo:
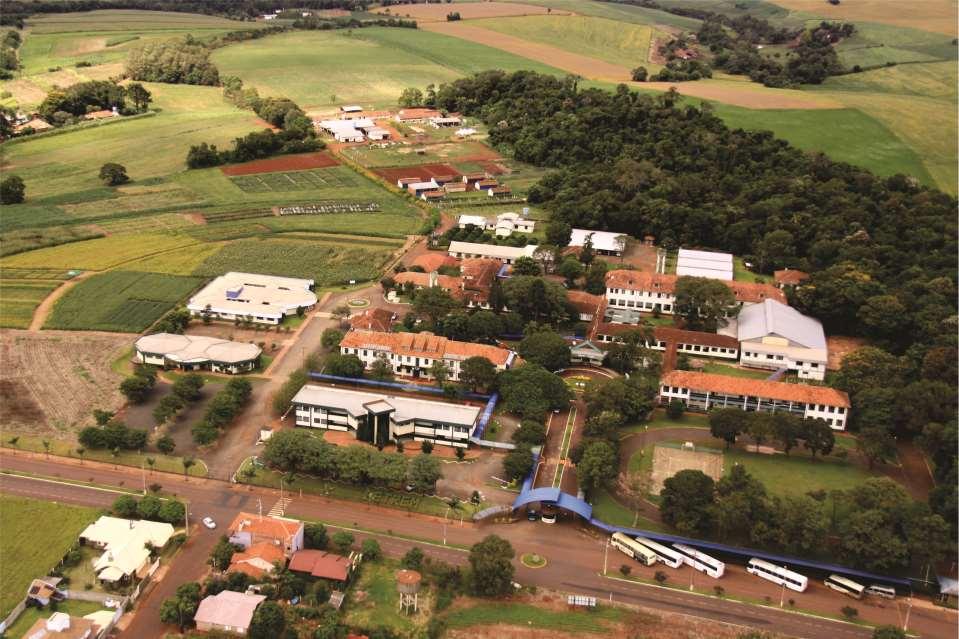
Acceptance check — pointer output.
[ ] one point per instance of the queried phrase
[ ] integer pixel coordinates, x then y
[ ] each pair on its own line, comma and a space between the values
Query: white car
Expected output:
209, 523
548, 517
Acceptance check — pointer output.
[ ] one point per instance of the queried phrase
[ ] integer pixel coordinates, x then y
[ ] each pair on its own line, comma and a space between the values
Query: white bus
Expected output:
845, 586
629, 547
701, 561
886, 592
777, 574
665, 555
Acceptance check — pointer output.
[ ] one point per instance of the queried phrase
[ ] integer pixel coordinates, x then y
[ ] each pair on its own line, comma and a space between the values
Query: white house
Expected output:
705, 391
227, 611
379, 419
505, 254
717, 266
124, 543
502, 225
196, 352
604, 242
263, 299
775, 336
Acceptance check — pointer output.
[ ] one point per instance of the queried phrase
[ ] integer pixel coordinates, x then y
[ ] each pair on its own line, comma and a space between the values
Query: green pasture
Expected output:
523, 615
380, 606
621, 13
876, 44
30, 546
121, 301
615, 42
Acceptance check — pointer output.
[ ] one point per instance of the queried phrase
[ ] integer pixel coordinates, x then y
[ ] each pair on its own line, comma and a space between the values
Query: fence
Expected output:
12, 617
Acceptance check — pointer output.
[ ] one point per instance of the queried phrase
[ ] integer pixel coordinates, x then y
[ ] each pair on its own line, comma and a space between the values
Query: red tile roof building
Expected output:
790, 277
449, 283
416, 115
320, 563
589, 306
434, 261
247, 530
373, 319
258, 560
704, 391
412, 354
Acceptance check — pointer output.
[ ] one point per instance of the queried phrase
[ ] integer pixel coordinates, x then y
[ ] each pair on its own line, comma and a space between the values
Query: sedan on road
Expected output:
209, 523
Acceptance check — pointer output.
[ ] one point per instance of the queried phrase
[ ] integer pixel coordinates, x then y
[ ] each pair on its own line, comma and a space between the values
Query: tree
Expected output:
125, 506
114, 174
876, 444
867, 541
410, 97
703, 302
928, 539
268, 621
675, 408
433, 303
546, 348
586, 253
165, 444
760, 426
531, 432
558, 233
342, 541
172, 512
188, 387
817, 436
315, 536
633, 398
526, 266
149, 507
868, 368
343, 365
800, 524
424, 472
530, 391
12, 190
427, 447
491, 573
888, 632
726, 424
381, 370
484, 325
775, 250
571, 269
687, 500
518, 462
596, 278
640, 74
167, 408
331, 338
139, 96
188, 463
371, 549
222, 554
136, 388
603, 425
439, 371
787, 429
477, 372
630, 351
536, 299
597, 467
413, 559
181, 607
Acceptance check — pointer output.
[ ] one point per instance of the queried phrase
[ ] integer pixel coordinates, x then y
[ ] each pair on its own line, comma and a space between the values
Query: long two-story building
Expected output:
412, 354
379, 419
705, 391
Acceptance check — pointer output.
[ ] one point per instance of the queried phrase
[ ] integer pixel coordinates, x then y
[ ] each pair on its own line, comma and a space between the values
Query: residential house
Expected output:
126, 546
43, 591
705, 391
789, 277
60, 625
227, 611
587, 306
502, 225
478, 275
412, 354
257, 561
373, 319
248, 530
379, 419
416, 115
322, 564
775, 336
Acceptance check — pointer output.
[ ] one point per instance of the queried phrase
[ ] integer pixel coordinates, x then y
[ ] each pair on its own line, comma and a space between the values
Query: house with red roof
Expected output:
248, 530
257, 561
322, 564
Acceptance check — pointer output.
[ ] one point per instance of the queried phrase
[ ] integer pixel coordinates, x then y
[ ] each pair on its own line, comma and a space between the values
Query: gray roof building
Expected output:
774, 319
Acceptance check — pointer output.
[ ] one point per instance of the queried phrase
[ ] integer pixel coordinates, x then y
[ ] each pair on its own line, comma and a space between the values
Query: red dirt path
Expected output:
425, 171
300, 162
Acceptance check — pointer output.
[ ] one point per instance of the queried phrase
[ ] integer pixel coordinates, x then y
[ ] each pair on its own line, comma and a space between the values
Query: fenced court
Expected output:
294, 181
669, 459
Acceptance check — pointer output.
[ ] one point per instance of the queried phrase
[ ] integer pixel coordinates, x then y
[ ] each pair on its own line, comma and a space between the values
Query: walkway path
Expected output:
42, 311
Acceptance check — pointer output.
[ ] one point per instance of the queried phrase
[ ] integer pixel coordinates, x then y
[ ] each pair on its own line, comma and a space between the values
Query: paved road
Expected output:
576, 554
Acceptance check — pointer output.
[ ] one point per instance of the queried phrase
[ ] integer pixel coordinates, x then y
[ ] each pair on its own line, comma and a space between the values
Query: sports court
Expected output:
669, 459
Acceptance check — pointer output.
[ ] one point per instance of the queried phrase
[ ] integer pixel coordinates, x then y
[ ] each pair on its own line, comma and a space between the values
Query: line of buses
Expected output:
649, 552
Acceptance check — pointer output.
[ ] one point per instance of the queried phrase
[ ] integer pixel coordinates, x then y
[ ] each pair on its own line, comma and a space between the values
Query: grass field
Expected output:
327, 265
622, 13
65, 448
797, 474
120, 301
381, 605
98, 254
599, 38
296, 181
370, 66
734, 371
528, 616
30, 546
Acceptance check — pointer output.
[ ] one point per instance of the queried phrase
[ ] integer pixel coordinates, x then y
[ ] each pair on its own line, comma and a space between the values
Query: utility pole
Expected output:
905, 624
782, 596
444, 524
605, 556
144, 471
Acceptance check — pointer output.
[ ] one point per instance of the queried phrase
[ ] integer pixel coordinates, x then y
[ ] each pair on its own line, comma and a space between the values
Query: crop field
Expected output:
929, 15
298, 162
371, 67
437, 12
19, 298
295, 181
624, 13
181, 261
51, 381
120, 301
424, 171
30, 546
328, 265
598, 38
98, 254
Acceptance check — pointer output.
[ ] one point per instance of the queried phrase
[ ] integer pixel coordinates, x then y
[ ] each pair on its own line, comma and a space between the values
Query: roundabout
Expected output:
359, 302
533, 560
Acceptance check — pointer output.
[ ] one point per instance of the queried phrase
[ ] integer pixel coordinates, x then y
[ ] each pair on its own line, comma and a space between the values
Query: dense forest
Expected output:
881, 251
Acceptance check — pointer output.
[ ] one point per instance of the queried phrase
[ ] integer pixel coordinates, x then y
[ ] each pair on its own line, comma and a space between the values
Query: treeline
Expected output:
16, 11
222, 409
174, 61
316, 23
9, 62
296, 130
298, 451
65, 106
880, 251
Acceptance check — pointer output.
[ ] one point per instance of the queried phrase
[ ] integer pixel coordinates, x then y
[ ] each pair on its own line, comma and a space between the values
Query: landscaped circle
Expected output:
359, 302
533, 560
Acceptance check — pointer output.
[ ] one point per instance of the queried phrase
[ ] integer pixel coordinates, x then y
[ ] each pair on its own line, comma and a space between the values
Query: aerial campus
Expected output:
550, 318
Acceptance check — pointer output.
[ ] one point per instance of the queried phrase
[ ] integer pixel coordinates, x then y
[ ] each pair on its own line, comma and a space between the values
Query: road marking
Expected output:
70, 483
564, 447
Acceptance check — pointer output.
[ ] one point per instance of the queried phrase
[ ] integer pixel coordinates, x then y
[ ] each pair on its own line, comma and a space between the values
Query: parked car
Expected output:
548, 517
532, 515
209, 523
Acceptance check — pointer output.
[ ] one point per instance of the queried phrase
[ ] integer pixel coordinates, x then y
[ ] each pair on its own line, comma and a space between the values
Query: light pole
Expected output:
782, 596
905, 624
692, 575
444, 524
143, 470
605, 555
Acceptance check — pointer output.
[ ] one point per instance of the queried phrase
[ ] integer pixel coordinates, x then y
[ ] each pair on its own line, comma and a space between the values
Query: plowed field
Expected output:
283, 163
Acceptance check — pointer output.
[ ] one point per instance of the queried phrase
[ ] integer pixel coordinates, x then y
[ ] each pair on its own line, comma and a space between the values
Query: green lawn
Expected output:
798, 473
73, 607
524, 615
607, 509
381, 605
734, 371
34, 535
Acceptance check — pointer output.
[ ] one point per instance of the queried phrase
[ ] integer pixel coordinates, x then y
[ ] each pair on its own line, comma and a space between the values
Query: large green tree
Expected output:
536, 299
704, 303
597, 467
687, 502
546, 348
491, 567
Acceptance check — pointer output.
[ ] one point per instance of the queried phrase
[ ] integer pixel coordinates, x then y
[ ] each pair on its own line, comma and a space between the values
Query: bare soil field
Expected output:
668, 461
938, 16
740, 93
436, 12
425, 171
282, 163
51, 381
839, 347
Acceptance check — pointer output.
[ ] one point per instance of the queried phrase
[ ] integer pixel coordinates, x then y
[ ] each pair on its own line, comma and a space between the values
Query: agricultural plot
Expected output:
19, 298
97, 254
413, 155
29, 546
625, 13
294, 181
120, 301
327, 265
297, 162
51, 381
436, 12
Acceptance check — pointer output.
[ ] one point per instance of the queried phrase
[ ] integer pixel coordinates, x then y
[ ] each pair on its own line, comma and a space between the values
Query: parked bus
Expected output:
665, 555
777, 574
845, 586
701, 561
628, 546
887, 592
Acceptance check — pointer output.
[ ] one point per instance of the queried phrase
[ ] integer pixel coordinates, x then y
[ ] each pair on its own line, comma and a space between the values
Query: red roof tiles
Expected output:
321, 564
424, 345
434, 261
757, 388
790, 276
373, 319
663, 283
